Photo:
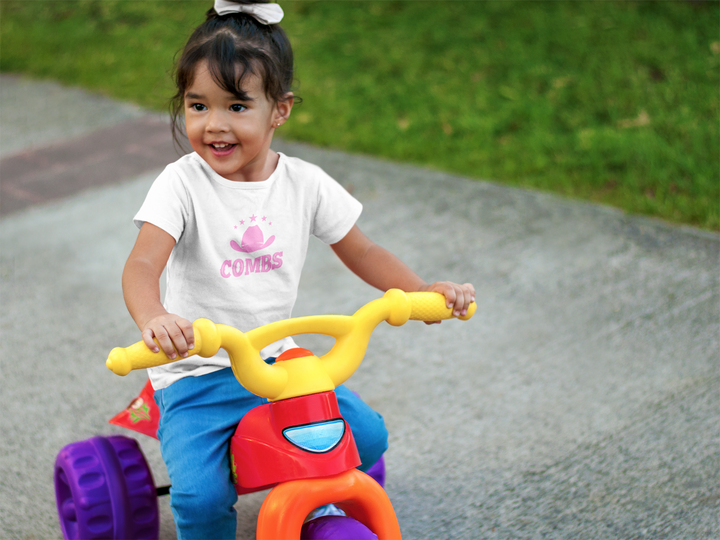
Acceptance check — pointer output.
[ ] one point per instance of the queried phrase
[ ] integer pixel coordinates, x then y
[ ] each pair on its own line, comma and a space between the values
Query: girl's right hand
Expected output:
172, 332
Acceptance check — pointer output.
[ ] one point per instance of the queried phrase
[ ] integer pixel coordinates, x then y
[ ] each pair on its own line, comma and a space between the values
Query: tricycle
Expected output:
298, 444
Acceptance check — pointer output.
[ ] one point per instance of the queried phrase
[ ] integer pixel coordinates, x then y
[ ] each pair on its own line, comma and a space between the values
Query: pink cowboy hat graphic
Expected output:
252, 240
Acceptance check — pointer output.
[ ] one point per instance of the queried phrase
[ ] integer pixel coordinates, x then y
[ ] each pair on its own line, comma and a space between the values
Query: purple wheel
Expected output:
336, 528
377, 471
104, 489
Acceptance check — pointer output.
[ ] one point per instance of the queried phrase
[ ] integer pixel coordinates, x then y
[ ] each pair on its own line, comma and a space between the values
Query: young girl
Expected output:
231, 223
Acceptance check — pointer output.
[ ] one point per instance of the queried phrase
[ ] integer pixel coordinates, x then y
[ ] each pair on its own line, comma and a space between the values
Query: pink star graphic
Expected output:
236, 226
264, 218
253, 217
242, 222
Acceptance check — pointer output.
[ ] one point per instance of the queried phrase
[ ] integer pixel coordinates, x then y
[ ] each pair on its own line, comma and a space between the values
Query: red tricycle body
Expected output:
301, 437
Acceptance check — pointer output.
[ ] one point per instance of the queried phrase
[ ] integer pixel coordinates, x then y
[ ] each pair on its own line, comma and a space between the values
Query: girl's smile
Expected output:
231, 134
221, 149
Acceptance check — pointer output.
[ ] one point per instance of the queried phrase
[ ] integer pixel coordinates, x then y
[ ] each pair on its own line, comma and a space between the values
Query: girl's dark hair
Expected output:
234, 45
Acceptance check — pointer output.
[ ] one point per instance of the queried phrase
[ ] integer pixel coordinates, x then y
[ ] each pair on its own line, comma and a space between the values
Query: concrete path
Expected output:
582, 401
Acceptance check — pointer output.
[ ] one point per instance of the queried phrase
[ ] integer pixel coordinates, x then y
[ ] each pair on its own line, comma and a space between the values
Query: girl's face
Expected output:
233, 136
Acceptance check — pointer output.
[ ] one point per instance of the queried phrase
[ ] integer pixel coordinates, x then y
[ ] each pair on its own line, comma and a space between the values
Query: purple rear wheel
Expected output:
377, 471
336, 528
104, 489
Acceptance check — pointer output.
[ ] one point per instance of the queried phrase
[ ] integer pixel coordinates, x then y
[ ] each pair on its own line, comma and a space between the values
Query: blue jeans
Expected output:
198, 417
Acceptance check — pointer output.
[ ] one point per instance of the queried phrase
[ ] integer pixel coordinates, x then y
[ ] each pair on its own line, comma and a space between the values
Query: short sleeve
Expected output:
166, 205
337, 210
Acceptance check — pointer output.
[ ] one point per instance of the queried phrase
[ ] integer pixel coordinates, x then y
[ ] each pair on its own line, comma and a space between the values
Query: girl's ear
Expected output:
283, 108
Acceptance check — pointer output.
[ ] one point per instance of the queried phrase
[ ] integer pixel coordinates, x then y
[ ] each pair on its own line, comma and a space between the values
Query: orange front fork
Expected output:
357, 494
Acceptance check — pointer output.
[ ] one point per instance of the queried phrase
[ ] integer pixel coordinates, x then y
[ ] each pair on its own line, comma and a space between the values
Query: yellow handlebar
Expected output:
301, 376
433, 307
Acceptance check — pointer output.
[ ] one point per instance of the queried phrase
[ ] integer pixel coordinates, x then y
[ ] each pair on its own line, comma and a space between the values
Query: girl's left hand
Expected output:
458, 297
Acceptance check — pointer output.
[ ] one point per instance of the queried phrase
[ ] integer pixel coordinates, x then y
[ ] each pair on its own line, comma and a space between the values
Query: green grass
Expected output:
615, 102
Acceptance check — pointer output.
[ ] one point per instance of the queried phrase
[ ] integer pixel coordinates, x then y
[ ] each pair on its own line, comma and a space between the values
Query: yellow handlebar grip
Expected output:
432, 306
137, 356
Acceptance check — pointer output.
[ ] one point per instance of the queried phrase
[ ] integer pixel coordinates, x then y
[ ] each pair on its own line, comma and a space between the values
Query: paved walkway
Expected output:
582, 401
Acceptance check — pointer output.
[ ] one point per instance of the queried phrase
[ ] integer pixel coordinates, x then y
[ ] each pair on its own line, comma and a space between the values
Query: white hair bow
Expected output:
264, 13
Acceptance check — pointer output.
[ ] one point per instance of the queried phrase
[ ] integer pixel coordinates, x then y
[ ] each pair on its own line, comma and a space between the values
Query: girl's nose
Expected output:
217, 122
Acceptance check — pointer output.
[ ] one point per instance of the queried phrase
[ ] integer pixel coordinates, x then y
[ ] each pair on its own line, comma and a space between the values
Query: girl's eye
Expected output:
236, 107
198, 107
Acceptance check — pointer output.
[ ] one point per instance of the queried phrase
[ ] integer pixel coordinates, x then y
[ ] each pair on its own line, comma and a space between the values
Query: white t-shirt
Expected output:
240, 246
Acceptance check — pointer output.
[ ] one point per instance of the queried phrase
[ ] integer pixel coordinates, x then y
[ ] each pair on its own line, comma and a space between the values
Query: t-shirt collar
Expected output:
263, 184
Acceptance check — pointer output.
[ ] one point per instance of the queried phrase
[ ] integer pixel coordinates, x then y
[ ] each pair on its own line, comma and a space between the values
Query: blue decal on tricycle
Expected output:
318, 438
